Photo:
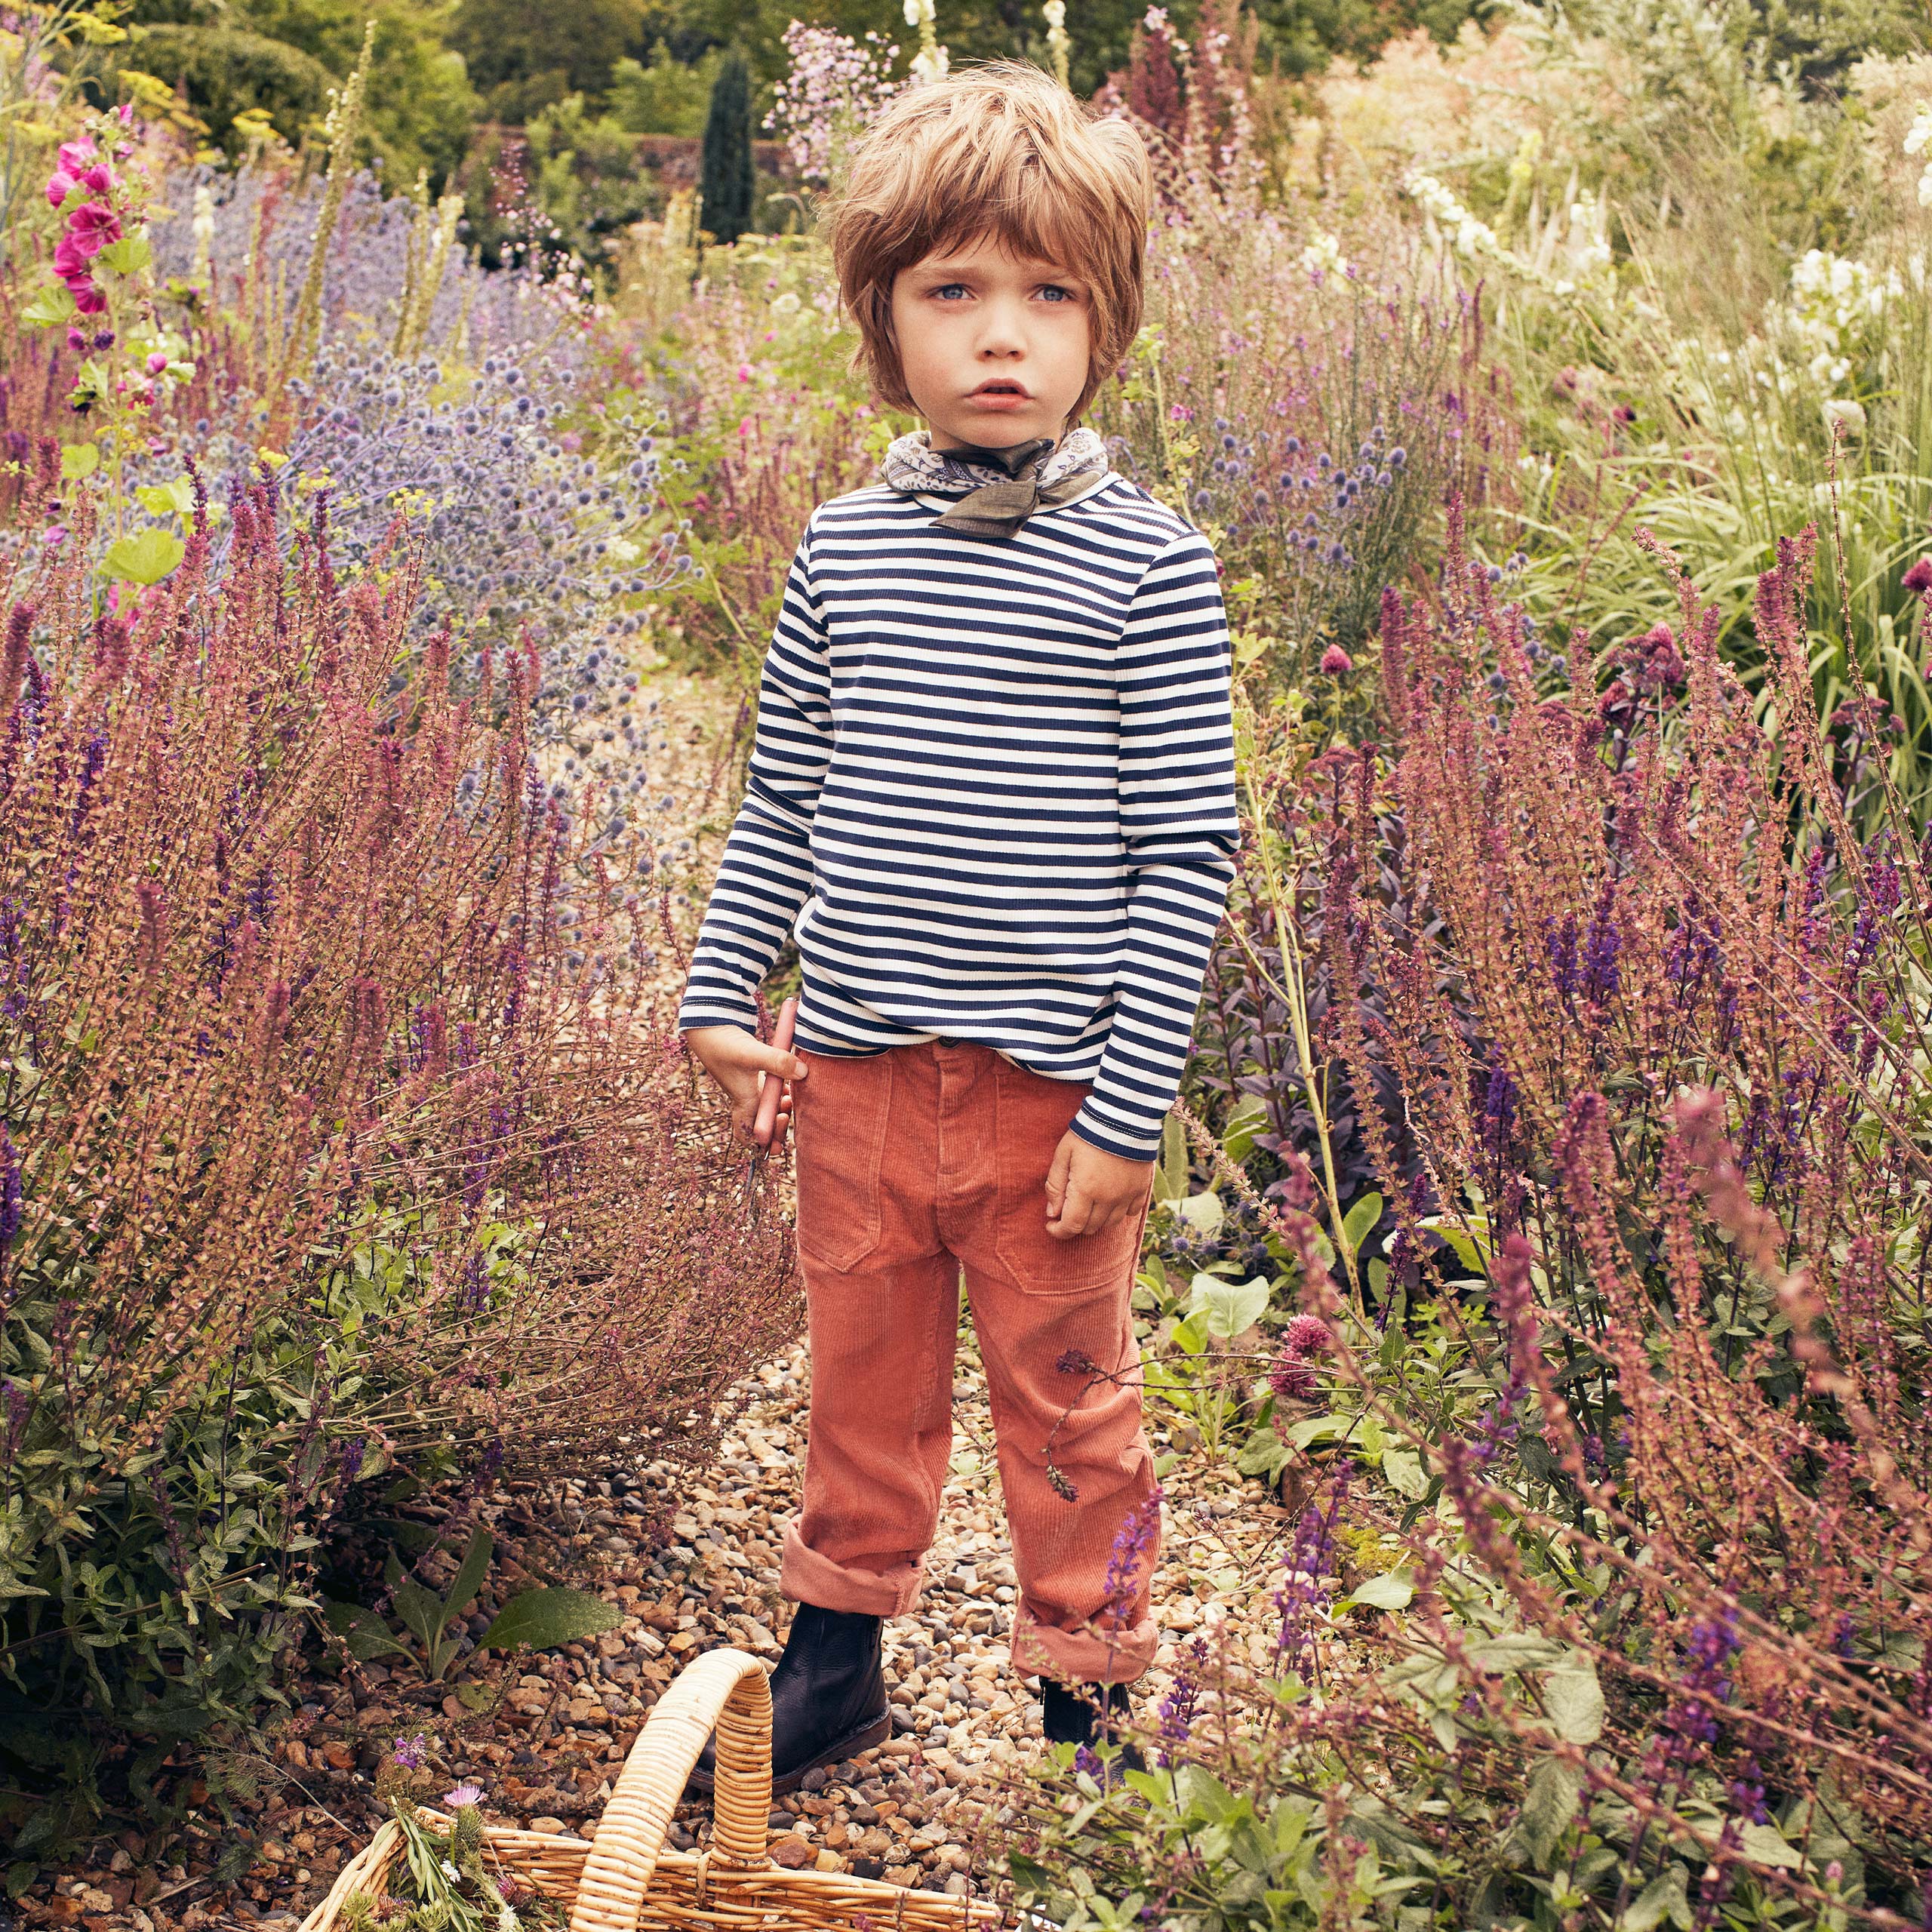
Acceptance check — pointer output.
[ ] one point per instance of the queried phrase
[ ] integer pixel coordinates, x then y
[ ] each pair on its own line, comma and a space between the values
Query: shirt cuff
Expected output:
1109, 1142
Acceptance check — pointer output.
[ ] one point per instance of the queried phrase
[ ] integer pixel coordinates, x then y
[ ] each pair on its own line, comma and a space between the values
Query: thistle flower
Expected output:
1336, 663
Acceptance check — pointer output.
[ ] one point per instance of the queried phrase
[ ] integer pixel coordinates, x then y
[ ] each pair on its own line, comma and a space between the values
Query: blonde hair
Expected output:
999, 149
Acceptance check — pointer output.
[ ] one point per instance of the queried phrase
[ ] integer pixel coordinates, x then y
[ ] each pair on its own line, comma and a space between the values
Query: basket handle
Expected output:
726, 1688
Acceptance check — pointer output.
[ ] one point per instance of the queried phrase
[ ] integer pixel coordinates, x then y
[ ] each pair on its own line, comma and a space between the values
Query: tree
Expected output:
507, 44
725, 183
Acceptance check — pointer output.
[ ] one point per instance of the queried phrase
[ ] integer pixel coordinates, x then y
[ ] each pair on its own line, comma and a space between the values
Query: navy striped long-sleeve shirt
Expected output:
993, 783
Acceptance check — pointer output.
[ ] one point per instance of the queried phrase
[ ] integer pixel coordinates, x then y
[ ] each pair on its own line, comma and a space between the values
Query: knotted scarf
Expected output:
998, 488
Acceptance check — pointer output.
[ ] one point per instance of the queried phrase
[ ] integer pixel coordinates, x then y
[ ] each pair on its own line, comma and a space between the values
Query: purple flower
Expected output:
1301, 1600
464, 1793
1139, 1533
1336, 663
1178, 1709
9, 1189
1918, 576
411, 1753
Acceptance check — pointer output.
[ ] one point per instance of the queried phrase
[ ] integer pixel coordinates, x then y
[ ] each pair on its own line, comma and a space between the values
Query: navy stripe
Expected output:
993, 791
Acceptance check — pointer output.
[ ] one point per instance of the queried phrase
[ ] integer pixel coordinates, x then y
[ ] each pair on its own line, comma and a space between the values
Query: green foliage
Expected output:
585, 177
523, 54
536, 1619
727, 179
225, 71
664, 95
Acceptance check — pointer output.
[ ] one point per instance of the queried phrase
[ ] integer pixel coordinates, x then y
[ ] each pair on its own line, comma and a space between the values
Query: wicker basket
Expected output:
626, 1879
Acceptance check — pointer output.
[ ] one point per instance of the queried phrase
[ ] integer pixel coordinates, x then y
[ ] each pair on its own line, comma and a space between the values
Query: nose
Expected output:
1002, 328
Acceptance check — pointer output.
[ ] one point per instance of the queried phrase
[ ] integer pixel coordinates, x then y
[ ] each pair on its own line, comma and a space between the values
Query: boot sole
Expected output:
875, 1731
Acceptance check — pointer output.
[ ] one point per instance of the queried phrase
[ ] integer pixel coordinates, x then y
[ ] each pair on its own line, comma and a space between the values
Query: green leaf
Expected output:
51, 307
1205, 1211
1190, 1335
20, 1874
1765, 1844
128, 255
1666, 1896
1359, 1219
174, 499
1573, 1699
544, 1619
1386, 1591
365, 1634
1311, 1429
146, 558
474, 1696
1403, 1468
475, 1568
79, 460
1264, 1455
1550, 1804
1171, 1170
420, 1610
1228, 1307
1248, 1121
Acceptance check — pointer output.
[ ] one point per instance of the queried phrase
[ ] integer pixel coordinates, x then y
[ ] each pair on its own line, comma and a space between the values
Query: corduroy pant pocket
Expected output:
839, 1112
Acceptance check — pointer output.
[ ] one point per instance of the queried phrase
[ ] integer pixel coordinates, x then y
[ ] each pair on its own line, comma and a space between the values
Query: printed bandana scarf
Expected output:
998, 488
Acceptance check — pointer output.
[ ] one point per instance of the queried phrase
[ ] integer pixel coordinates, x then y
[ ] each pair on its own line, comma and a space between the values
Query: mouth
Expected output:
1005, 385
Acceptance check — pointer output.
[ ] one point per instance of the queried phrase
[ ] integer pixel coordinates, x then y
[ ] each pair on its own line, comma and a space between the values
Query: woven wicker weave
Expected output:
626, 1880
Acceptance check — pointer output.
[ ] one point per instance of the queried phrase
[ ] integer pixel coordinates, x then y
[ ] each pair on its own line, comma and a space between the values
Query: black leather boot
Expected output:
1077, 1717
828, 1697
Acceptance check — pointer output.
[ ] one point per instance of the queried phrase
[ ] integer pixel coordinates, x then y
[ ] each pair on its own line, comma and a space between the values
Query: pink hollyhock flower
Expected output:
70, 260
75, 340
55, 535
87, 297
59, 187
98, 180
1918, 577
77, 156
157, 361
1336, 663
92, 226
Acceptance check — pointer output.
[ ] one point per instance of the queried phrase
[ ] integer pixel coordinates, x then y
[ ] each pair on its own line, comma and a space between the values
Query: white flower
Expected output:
1323, 255
911, 12
1920, 133
1055, 11
1925, 189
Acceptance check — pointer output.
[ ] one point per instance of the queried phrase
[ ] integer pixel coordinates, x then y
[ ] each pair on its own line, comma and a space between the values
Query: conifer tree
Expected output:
726, 180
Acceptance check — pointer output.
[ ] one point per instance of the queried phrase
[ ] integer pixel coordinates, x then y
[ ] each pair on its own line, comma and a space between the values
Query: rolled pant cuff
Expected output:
1080, 1657
805, 1576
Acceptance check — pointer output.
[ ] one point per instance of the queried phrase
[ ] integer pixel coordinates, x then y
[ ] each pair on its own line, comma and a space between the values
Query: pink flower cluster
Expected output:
91, 220
831, 78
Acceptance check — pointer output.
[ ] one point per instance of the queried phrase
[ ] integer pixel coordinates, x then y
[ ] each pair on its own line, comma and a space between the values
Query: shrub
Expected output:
339, 1128
1648, 1460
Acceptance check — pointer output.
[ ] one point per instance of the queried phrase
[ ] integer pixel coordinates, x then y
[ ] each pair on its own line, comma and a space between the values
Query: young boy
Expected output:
993, 783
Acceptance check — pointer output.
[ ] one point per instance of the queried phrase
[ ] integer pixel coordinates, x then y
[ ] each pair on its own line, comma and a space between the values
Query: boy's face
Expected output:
974, 316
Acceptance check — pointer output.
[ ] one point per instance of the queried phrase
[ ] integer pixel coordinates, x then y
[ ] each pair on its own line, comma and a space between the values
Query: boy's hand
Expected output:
1088, 1188
734, 1057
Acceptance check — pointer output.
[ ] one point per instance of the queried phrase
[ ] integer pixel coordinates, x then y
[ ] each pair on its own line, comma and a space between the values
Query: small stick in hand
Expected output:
773, 1084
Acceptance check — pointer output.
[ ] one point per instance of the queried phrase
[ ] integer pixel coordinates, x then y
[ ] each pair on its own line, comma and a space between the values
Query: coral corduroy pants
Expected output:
912, 1164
